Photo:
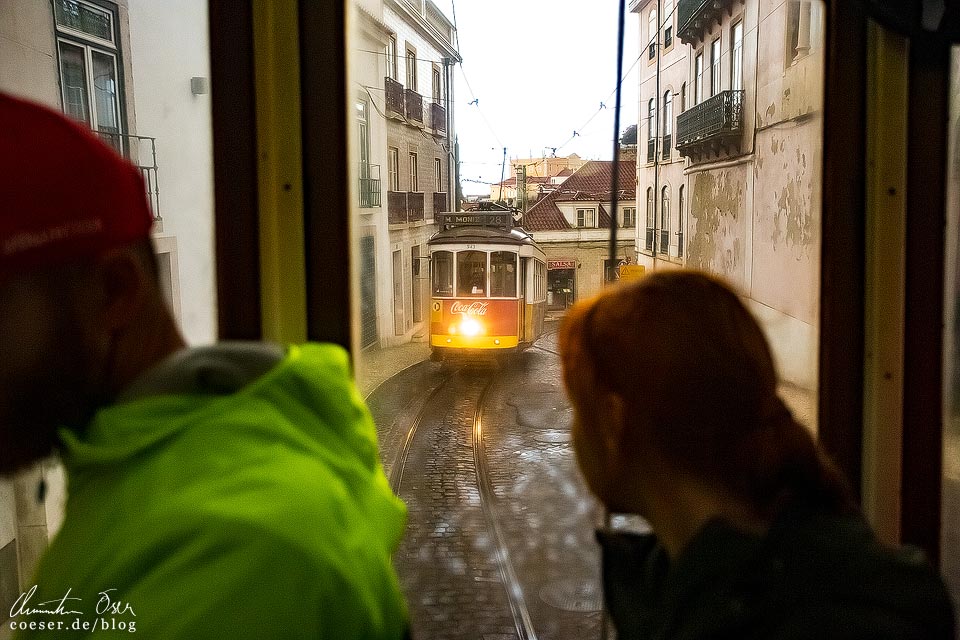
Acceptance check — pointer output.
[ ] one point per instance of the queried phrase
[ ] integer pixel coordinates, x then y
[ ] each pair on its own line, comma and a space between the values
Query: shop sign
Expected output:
561, 264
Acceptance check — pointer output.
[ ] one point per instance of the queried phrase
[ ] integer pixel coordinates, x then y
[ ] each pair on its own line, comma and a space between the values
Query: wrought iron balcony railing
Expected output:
693, 16
667, 140
414, 206
142, 152
648, 240
651, 149
438, 117
414, 104
664, 241
396, 207
716, 120
395, 97
369, 185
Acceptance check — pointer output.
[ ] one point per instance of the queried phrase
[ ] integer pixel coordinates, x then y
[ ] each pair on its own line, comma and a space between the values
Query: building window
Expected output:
715, 67
804, 26
652, 31
392, 58
667, 123
586, 218
414, 179
651, 220
393, 168
437, 85
698, 74
665, 220
89, 66
438, 170
629, 217
680, 221
683, 97
736, 62
668, 22
651, 129
411, 68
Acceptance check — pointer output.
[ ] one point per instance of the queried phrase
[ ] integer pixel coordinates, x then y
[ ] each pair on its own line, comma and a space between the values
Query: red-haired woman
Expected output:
755, 533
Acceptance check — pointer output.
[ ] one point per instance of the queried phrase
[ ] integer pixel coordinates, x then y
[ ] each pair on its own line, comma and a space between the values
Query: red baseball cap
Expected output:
64, 194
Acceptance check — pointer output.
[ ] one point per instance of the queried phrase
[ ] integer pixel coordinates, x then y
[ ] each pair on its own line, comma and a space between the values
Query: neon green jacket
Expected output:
262, 513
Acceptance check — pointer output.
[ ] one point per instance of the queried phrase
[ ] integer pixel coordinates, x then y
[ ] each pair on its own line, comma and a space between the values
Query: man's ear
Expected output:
123, 281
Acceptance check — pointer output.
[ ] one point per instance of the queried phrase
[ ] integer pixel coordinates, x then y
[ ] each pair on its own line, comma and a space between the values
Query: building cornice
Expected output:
425, 29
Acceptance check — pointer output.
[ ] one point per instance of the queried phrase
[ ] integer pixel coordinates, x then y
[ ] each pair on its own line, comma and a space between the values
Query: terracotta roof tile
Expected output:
590, 182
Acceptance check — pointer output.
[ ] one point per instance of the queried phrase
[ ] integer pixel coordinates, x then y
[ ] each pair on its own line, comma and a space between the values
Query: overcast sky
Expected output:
540, 69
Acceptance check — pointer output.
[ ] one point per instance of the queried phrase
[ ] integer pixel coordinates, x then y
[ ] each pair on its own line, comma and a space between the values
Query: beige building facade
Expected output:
737, 98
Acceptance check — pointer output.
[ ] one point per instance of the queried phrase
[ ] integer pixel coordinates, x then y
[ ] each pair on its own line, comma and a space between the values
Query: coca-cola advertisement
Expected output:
498, 317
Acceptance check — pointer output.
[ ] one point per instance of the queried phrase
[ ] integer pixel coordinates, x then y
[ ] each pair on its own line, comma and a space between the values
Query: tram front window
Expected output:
472, 273
503, 274
443, 274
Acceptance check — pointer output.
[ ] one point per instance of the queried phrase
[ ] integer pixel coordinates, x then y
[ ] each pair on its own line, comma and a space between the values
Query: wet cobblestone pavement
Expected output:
499, 541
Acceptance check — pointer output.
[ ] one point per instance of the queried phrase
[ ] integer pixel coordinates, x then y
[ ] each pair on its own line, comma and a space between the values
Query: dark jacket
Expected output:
812, 576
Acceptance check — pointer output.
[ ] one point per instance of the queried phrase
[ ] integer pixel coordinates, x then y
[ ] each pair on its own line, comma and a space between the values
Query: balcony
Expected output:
651, 149
413, 102
439, 203
142, 152
696, 16
667, 140
369, 185
438, 118
404, 207
396, 207
415, 206
395, 98
714, 125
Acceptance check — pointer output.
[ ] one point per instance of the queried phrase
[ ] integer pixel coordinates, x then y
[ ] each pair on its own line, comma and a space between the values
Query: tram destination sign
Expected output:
501, 219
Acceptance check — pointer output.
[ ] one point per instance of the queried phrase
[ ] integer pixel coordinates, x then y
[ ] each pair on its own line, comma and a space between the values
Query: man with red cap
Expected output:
232, 491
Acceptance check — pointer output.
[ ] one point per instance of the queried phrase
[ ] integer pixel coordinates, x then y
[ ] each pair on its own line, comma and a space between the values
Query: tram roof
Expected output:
486, 235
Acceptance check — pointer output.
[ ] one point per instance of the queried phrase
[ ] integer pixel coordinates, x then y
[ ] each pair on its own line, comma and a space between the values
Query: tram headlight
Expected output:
470, 327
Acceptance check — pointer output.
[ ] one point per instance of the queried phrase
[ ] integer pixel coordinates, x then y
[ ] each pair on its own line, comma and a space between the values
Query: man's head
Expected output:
77, 278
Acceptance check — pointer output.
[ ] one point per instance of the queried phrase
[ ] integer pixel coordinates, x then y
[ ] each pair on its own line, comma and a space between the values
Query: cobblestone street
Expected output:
499, 542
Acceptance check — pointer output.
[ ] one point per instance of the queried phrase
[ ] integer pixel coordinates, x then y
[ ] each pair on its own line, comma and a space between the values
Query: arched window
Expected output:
680, 224
651, 129
667, 23
651, 219
665, 220
667, 123
652, 33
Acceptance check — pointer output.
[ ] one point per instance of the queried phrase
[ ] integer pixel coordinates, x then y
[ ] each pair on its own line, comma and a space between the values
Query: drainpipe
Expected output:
656, 145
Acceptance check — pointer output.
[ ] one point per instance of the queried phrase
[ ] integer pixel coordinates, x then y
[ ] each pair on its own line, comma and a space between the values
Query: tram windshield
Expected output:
503, 274
443, 273
472, 273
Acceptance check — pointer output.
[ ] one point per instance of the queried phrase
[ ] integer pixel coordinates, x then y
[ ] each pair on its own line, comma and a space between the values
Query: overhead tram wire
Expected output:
622, 78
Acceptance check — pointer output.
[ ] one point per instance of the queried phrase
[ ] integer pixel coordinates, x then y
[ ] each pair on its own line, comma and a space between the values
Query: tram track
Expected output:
511, 583
512, 587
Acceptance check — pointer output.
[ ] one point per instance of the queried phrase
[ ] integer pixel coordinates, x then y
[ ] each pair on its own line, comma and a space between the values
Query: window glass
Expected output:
84, 17
698, 74
736, 81
503, 274
442, 266
106, 92
715, 67
472, 273
73, 76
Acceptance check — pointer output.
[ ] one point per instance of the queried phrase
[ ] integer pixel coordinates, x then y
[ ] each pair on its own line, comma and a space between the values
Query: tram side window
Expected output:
471, 273
503, 274
443, 273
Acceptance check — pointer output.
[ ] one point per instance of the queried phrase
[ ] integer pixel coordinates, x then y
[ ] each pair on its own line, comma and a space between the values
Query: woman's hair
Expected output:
699, 384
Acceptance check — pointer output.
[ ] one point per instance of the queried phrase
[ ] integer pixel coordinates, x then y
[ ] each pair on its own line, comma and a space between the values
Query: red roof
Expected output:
591, 182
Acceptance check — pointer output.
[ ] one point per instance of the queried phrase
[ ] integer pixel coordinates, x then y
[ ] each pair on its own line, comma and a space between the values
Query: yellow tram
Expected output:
489, 285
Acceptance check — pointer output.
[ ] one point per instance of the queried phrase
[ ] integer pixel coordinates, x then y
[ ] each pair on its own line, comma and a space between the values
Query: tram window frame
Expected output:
438, 259
472, 291
496, 285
